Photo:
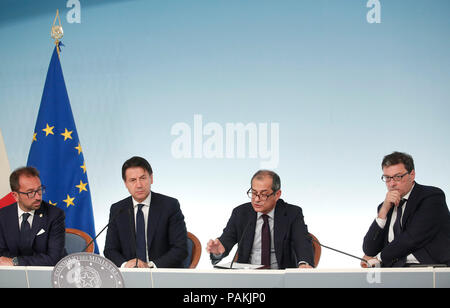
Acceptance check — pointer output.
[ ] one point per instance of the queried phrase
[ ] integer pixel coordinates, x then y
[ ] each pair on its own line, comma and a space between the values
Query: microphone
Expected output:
110, 221
238, 244
339, 251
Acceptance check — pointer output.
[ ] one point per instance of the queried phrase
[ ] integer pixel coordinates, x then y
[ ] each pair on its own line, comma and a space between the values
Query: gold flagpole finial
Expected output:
57, 31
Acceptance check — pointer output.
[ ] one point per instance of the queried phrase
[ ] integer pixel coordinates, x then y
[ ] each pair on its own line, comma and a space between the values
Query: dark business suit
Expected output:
45, 249
166, 232
291, 240
425, 231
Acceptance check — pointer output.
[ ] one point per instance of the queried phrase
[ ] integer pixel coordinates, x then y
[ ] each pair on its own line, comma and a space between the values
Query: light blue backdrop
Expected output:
323, 93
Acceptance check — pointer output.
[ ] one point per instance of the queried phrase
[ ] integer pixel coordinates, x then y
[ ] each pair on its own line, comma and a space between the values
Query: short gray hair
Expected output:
276, 182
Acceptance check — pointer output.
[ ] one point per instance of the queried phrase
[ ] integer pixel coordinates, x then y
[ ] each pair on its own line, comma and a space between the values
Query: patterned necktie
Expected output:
25, 235
265, 242
141, 248
397, 225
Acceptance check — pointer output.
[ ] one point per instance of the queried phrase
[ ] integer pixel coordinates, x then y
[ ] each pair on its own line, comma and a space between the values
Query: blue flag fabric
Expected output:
57, 154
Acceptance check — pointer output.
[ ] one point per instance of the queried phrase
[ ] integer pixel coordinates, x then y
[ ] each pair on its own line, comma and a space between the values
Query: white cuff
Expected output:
374, 262
301, 263
381, 222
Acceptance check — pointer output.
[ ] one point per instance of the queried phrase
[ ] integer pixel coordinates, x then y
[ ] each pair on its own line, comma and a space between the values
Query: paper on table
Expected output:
237, 265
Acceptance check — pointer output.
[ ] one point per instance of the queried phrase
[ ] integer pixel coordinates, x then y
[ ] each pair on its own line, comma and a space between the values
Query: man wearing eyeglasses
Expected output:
413, 222
269, 232
32, 232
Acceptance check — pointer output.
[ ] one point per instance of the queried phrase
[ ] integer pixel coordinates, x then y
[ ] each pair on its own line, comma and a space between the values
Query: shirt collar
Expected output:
146, 202
271, 214
20, 211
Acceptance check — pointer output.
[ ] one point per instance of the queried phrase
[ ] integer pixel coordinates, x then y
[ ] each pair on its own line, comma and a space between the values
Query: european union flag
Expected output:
57, 153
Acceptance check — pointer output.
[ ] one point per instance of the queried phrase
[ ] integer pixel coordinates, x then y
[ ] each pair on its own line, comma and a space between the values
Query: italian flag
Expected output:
6, 197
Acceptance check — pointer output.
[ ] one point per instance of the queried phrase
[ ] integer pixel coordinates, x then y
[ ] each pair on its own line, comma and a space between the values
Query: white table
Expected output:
32, 277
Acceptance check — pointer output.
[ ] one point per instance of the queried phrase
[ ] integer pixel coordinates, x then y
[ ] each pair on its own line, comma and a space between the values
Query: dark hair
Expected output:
398, 158
22, 171
136, 161
276, 182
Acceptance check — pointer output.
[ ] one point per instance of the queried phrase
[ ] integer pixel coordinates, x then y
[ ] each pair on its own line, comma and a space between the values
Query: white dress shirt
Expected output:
20, 212
255, 255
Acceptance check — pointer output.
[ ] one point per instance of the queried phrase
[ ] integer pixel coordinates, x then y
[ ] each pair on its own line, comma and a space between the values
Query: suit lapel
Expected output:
245, 247
127, 224
154, 212
39, 218
131, 230
249, 236
411, 204
280, 228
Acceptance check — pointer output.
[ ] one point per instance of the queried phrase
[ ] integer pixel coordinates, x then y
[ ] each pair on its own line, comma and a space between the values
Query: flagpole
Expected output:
57, 31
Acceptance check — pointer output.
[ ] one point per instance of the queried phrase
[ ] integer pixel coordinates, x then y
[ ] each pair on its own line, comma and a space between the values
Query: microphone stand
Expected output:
238, 244
98, 234
339, 251
133, 233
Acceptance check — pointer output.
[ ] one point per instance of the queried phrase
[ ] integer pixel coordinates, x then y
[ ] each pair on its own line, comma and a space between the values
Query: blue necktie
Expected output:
25, 235
141, 248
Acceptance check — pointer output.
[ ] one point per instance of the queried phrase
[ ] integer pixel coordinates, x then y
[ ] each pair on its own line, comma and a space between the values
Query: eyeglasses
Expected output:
396, 178
31, 194
263, 197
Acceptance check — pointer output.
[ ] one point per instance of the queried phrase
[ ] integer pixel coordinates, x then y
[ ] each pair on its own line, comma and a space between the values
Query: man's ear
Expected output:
278, 194
412, 174
15, 196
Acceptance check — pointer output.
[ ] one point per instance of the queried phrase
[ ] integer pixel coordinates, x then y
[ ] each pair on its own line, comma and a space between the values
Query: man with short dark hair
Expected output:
32, 232
269, 231
413, 222
146, 229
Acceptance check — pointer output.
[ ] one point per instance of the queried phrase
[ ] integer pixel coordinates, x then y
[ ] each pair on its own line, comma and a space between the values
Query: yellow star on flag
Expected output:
51, 203
82, 186
69, 201
34, 137
79, 149
48, 130
83, 167
67, 134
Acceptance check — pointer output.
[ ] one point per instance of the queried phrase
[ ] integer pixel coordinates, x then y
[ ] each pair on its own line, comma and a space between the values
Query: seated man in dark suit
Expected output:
32, 232
146, 229
269, 231
413, 222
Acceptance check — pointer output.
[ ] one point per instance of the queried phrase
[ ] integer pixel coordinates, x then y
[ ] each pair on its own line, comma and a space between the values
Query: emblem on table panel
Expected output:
86, 270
